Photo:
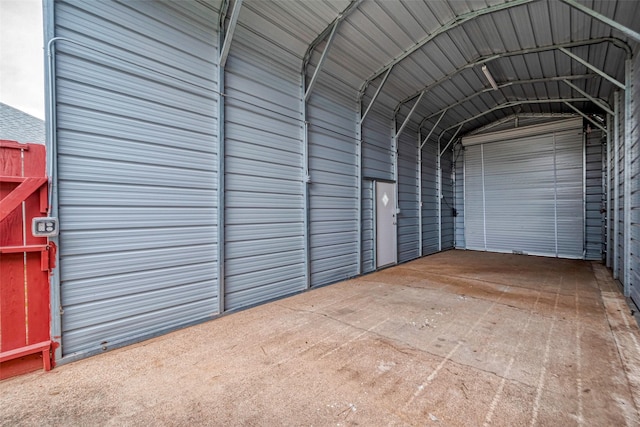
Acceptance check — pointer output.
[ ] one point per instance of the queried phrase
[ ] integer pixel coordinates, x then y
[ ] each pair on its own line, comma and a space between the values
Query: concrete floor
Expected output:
454, 339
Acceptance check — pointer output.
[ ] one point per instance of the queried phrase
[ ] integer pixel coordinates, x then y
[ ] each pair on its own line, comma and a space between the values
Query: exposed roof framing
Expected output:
387, 54
457, 21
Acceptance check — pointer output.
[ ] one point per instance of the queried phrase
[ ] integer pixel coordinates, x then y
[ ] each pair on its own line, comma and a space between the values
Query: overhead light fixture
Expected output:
489, 77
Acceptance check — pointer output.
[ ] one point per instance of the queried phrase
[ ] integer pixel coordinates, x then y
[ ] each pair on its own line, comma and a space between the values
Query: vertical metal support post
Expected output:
439, 196
616, 183
627, 177
584, 195
50, 114
359, 184
221, 180
395, 180
555, 195
607, 182
306, 179
464, 195
419, 167
484, 198
374, 227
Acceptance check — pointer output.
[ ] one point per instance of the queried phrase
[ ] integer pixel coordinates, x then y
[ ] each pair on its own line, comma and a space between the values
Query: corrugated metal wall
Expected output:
635, 184
459, 196
137, 161
447, 201
377, 163
333, 190
264, 205
408, 219
377, 156
595, 201
621, 213
474, 221
429, 199
368, 235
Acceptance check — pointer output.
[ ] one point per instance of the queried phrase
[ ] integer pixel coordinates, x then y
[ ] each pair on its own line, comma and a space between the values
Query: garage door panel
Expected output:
525, 194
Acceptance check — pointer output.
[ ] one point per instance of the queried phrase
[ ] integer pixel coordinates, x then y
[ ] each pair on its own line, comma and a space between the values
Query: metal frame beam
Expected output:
484, 59
512, 104
228, 36
596, 101
406, 120
593, 122
433, 128
375, 95
330, 31
614, 24
591, 67
508, 84
455, 22
323, 57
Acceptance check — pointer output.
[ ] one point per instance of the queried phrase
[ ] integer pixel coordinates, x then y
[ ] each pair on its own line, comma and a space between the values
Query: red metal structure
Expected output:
25, 261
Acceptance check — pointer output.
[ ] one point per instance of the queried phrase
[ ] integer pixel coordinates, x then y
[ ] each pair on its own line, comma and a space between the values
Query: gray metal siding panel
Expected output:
474, 204
137, 159
264, 206
408, 226
447, 201
594, 197
368, 242
635, 184
429, 199
377, 155
621, 211
459, 196
333, 190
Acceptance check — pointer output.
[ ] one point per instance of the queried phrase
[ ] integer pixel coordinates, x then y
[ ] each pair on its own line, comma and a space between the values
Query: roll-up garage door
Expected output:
525, 190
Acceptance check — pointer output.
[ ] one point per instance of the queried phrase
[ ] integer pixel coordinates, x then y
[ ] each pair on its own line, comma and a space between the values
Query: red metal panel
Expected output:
38, 298
12, 302
24, 260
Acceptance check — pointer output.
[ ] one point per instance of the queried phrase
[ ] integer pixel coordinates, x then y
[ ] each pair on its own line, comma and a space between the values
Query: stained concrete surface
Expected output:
454, 339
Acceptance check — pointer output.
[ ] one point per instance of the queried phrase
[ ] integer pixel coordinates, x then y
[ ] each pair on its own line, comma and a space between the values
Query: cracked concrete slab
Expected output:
457, 338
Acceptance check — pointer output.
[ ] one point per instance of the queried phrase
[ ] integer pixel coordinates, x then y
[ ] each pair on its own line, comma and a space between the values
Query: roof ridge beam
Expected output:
610, 22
